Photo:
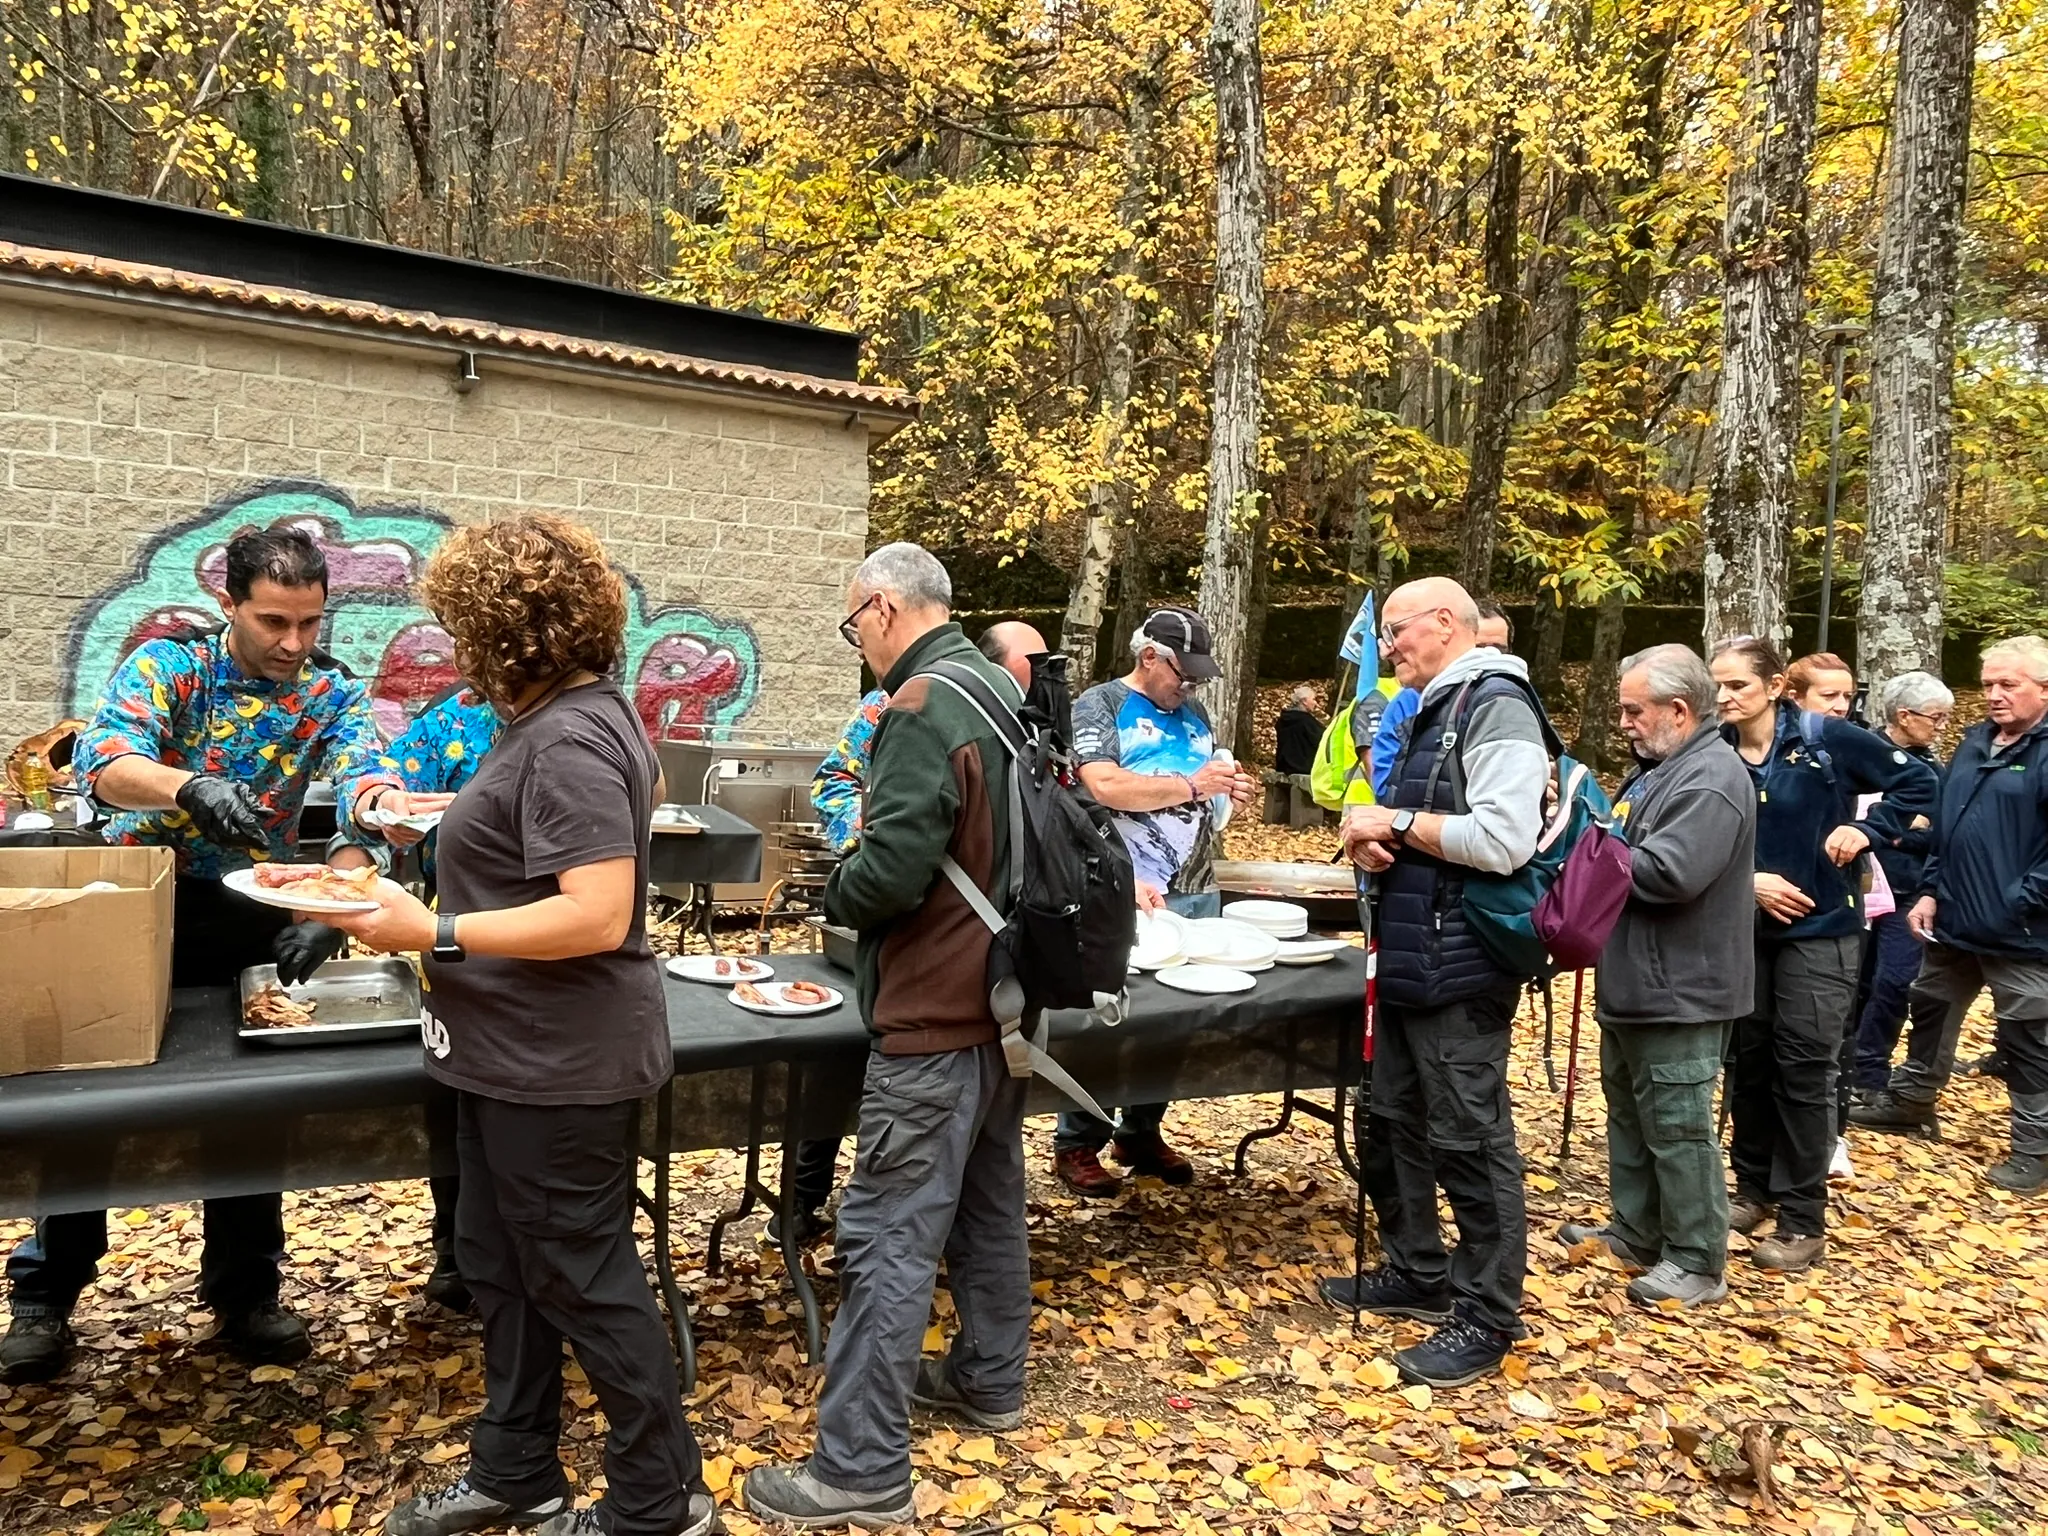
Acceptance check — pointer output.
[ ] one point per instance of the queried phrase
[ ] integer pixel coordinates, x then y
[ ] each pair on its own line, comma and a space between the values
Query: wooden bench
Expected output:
1288, 801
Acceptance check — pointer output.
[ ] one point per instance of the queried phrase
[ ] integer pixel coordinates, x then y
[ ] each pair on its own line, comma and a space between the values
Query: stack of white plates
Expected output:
1282, 919
1161, 941
1226, 942
1311, 951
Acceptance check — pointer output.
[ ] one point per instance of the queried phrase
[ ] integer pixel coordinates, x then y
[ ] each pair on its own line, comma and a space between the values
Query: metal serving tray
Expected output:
359, 1000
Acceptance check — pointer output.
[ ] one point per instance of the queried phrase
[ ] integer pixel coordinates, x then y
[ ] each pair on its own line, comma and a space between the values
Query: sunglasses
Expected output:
849, 631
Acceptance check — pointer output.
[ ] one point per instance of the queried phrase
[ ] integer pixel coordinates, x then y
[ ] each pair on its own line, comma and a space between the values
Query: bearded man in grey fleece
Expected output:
1679, 969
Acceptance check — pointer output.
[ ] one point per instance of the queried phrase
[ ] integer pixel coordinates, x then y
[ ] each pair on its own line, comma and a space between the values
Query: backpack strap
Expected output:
1813, 732
1447, 744
1024, 1053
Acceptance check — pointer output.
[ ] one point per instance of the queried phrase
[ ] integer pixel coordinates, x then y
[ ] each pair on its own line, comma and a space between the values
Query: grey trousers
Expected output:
940, 1172
1663, 1162
1948, 983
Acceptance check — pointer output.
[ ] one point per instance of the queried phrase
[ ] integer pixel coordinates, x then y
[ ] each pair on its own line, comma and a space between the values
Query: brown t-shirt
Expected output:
571, 784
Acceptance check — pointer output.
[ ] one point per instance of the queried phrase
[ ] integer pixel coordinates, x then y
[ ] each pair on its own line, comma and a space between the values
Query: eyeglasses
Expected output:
1934, 717
849, 631
1174, 667
1389, 631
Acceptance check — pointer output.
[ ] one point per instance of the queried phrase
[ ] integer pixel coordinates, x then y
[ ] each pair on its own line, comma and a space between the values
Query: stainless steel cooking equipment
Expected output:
375, 999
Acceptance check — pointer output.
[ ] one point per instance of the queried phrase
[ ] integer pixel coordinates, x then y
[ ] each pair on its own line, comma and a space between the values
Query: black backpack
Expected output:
1065, 940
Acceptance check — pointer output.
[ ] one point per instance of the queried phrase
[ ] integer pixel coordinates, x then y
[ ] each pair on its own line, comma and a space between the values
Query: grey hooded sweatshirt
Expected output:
1684, 950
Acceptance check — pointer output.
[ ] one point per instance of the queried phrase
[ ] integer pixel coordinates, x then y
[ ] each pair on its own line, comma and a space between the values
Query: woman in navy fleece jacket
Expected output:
1809, 772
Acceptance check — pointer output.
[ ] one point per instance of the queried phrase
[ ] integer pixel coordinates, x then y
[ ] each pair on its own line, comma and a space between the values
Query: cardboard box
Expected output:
85, 976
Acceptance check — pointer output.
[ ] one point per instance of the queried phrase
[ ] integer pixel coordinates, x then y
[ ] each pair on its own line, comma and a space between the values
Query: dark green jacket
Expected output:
938, 783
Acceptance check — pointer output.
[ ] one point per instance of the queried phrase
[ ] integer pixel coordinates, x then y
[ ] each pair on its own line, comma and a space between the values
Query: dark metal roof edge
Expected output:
87, 221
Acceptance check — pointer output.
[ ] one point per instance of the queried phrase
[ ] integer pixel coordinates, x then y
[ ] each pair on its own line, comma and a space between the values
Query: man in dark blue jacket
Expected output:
1466, 796
1982, 907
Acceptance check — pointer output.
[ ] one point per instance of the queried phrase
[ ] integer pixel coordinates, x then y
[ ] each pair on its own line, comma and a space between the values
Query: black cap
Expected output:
1185, 633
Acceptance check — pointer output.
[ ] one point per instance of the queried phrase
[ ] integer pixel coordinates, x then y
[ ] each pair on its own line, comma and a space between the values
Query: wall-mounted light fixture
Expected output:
466, 377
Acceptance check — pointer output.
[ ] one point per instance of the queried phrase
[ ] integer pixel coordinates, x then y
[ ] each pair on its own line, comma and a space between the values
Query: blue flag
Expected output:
1361, 641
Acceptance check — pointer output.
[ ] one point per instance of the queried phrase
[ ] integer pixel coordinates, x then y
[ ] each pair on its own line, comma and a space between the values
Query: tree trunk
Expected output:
1109, 494
1133, 601
1912, 342
1500, 344
1546, 643
1763, 263
1254, 646
486, 21
1240, 324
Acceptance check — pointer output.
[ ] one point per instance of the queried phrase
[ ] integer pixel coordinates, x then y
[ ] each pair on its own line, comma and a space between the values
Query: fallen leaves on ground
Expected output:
1184, 1375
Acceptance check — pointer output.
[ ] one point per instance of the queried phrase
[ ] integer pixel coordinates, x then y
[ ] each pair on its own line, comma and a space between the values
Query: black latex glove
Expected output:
303, 948
225, 812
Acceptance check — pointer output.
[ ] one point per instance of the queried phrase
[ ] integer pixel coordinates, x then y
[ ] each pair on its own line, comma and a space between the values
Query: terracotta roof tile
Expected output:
103, 272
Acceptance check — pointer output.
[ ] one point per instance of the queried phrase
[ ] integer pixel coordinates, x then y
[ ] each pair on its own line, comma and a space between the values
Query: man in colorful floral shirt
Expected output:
206, 744
836, 790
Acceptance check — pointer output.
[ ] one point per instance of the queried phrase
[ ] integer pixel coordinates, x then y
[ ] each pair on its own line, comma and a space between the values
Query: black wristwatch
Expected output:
1403, 820
446, 950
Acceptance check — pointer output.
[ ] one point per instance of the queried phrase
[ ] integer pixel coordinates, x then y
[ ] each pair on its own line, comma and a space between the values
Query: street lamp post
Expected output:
1837, 339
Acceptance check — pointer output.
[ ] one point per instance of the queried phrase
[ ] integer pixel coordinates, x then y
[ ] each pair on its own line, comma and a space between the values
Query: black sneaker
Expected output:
1456, 1355
792, 1496
2023, 1173
267, 1335
445, 1286
1886, 1111
36, 1346
1387, 1292
1992, 1064
459, 1509
936, 1392
702, 1520
810, 1228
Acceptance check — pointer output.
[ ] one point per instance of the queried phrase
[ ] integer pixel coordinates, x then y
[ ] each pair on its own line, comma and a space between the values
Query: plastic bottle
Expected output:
35, 782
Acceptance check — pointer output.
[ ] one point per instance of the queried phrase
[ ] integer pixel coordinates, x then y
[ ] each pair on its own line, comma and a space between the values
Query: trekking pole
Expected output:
1549, 1035
1362, 1108
1571, 1066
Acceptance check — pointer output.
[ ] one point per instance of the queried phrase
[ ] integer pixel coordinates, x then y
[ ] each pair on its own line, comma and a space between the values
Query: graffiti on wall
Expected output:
689, 673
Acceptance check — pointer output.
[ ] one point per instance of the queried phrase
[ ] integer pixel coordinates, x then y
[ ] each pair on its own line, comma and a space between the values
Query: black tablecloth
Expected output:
727, 851
216, 1116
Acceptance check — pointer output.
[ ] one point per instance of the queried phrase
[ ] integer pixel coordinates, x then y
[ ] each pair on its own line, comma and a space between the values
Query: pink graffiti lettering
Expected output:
680, 683
375, 565
416, 666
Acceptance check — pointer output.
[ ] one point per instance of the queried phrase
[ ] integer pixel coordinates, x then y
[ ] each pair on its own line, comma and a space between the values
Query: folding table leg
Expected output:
661, 1209
1287, 1107
701, 911
792, 1238
750, 1181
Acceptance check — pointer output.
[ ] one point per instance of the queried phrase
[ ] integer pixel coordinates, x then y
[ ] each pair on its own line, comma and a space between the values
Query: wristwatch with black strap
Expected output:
1403, 820
445, 949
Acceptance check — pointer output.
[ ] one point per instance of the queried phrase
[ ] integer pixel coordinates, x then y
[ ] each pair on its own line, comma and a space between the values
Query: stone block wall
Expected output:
134, 440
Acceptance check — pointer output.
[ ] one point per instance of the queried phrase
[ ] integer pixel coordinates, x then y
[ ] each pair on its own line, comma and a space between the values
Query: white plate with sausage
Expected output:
720, 970
305, 887
786, 999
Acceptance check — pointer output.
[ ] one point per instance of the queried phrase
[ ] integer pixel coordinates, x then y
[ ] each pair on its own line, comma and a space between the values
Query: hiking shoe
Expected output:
792, 1496
1573, 1233
267, 1335
446, 1288
36, 1347
1789, 1252
1387, 1292
1456, 1355
1082, 1172
1668, 1282
2023, 1173
1990, 1064
702, 1520
459, 1508
1840, 1169
1886, 1111
936, 1392
810, 1228
1152, 1157
1746, 1213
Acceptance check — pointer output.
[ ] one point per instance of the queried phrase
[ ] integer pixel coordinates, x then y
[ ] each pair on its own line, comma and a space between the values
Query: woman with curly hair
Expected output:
545, 1014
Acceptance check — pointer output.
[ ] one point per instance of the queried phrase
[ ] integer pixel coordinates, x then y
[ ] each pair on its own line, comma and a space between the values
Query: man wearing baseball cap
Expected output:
1146, 751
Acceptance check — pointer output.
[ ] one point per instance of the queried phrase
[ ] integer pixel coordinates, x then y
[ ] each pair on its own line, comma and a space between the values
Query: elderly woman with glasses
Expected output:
1915, 708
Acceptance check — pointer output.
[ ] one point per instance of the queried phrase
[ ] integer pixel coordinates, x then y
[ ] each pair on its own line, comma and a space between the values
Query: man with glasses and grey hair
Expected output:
940, 1171
1678, 971
1982, 911
1144, 749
